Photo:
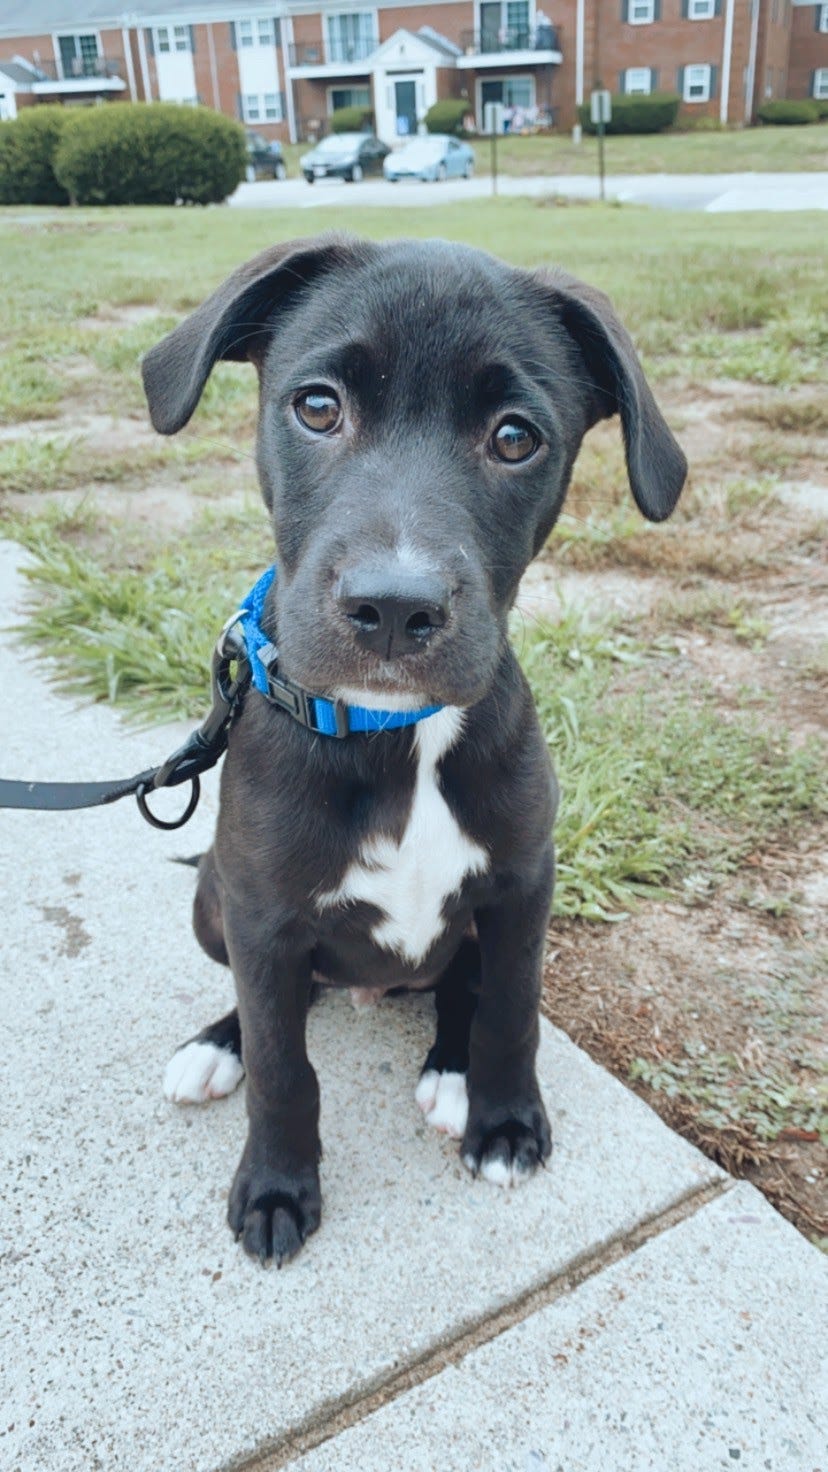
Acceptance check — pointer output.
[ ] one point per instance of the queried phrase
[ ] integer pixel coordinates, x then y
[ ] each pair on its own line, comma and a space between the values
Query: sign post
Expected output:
600, 112
493, 124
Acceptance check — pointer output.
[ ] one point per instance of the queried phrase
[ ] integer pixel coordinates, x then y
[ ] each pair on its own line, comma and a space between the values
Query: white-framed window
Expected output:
172, 38
640, 12
821, 83
351, 36
516, 91
701, 9
697, 83
822, 19
262, 107
637, 80
255, 33
348, 97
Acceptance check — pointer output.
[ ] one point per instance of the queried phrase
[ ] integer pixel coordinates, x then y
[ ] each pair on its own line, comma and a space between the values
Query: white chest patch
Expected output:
411, 880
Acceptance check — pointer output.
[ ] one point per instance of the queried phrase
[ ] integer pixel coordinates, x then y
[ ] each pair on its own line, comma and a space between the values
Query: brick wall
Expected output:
448, 20
808, 51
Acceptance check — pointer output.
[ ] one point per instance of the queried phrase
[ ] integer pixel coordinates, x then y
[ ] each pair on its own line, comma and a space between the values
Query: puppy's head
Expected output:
421, 407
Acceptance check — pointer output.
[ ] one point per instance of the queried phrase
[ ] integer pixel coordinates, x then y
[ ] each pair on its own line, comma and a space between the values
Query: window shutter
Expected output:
232, 25
653, 79
277, 32
150, 42
625, 10
817, 10
622, 83
192, 39
239, 108
657, 10
680, 82
685, 9
714, 71
717, 9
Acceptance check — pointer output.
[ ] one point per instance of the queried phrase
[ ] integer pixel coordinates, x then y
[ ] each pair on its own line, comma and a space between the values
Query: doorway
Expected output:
405, 106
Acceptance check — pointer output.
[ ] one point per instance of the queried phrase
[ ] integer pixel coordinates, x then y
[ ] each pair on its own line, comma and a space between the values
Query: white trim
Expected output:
78, 86
703, 81
727, 55
701, 9
172, 49
823, 20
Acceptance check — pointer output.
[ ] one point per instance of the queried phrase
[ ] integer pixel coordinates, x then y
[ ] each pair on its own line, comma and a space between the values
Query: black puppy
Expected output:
421, 407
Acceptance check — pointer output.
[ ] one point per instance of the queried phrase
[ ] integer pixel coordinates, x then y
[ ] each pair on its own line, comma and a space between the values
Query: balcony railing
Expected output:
510, 38
80, 68
315, 53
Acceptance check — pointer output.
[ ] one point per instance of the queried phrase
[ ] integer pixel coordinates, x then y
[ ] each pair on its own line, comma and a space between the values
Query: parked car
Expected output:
264, 157
344, 156
433, 156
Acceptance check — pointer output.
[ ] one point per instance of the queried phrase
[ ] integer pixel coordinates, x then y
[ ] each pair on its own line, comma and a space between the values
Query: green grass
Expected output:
654, 784
705, 152
726, 1094
741, 296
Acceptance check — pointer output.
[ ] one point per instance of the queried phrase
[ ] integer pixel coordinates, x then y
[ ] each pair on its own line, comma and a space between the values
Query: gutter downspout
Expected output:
727, 53
750, 80
142, 57
579, 53
287, 34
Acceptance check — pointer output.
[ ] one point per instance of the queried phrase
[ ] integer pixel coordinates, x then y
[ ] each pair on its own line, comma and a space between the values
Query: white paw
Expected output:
499, 1172
444, 1101
201, 1071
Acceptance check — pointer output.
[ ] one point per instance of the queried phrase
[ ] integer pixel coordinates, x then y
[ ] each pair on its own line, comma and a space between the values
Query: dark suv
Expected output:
264, 157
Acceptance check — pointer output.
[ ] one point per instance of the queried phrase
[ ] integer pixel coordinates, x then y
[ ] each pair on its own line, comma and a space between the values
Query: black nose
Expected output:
393, 612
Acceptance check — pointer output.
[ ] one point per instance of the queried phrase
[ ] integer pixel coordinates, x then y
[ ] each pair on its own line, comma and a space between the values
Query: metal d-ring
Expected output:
144, 809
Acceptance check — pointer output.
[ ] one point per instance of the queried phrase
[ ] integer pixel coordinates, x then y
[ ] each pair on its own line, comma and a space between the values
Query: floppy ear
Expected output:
234, 322
655, 463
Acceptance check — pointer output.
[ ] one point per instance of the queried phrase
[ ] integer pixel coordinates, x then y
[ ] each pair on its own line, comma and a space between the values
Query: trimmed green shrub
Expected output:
447, 116
636, 114
788, 114
358, 119
150, 153
27, 151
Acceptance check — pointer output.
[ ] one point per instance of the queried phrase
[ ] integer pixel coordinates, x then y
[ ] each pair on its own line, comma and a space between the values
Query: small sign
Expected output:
600, 107
493, 117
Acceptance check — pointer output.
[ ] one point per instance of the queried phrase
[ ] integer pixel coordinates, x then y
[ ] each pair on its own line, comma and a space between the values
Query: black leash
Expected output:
199, 752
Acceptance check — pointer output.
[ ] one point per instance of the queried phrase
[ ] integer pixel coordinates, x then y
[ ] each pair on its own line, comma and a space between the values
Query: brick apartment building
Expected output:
284, 66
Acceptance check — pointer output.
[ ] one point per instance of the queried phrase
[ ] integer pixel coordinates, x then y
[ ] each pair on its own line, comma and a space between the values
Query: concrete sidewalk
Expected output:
632, 1308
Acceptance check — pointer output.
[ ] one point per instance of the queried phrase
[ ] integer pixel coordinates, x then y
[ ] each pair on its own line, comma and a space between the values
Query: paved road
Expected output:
716, 193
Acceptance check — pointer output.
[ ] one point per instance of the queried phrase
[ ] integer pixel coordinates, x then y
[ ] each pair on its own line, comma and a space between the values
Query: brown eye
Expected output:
319, 410
514, 440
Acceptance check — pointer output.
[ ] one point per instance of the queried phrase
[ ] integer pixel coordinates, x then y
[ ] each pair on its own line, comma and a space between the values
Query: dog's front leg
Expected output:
507, 1135
275, 1200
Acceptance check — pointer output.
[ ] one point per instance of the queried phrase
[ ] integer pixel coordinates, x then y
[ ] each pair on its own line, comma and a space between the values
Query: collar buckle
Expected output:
296, 701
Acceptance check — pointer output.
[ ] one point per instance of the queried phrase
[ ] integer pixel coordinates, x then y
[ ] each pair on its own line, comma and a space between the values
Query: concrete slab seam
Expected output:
341, 1414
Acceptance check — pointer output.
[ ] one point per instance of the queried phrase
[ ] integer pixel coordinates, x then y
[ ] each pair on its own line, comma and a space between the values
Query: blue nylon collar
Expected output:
319, 714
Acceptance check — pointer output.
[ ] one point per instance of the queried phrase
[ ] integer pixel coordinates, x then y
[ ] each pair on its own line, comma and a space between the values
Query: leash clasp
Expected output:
204, 746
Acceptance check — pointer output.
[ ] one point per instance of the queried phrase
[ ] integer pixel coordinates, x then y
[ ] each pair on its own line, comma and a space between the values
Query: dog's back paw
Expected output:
208, 1066
444, 1101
